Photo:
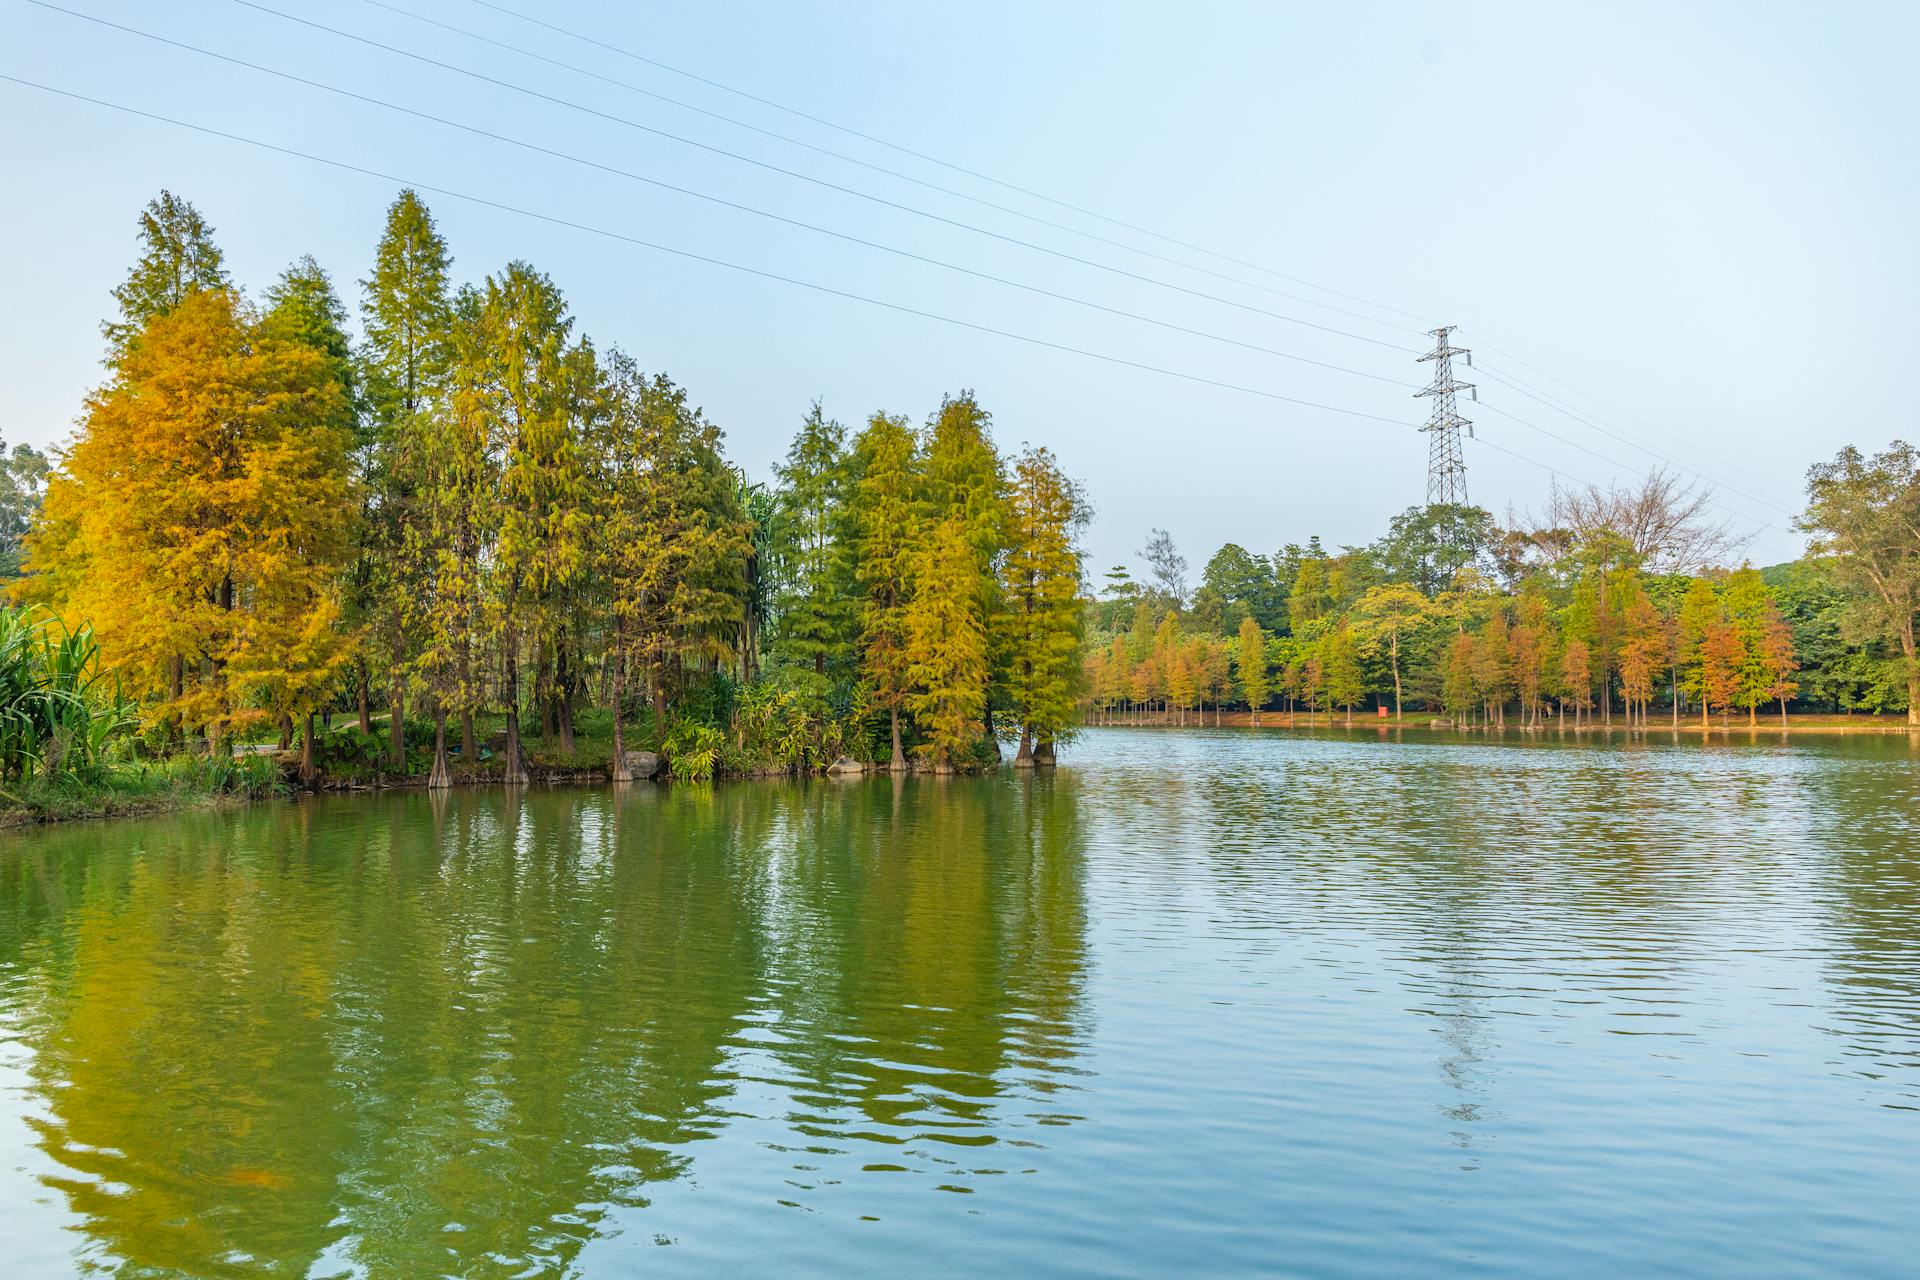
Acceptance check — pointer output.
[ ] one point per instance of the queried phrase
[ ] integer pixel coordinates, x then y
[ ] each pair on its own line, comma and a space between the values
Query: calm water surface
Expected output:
1199, 1003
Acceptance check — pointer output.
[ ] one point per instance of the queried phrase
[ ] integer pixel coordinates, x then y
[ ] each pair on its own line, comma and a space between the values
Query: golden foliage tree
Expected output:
203, 517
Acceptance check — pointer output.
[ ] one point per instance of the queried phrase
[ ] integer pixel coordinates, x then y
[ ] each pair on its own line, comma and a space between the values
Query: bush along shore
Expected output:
74, 747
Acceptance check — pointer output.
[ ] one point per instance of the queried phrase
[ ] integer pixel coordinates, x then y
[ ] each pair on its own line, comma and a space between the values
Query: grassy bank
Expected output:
133, 787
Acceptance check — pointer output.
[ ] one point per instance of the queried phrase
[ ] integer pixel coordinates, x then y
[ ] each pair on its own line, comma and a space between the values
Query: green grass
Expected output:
131, 787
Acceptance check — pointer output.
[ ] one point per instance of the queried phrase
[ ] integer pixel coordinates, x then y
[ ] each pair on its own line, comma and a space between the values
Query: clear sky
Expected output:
1704, 214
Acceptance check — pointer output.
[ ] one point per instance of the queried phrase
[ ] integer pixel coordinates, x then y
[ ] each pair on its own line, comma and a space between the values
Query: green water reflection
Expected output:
453, 1035
1201, 1003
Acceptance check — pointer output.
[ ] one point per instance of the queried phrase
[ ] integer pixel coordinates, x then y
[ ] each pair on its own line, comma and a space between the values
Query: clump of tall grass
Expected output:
67, 734
59, 716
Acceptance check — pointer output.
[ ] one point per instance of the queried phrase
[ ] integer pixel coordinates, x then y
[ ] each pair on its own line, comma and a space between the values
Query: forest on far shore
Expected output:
1612, 604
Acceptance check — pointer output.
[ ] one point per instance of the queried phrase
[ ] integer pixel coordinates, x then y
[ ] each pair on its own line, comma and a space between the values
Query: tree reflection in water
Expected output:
467, 1034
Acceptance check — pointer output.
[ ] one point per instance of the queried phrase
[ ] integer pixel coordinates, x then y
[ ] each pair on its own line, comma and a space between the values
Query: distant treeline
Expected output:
1607, 606
472, 510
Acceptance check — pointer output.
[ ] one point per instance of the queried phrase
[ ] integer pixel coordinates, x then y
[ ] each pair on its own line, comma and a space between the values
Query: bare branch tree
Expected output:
1667, 521
1168, 566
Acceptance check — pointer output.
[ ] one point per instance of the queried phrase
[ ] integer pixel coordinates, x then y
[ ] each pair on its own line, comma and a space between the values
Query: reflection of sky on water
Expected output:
1206, 1001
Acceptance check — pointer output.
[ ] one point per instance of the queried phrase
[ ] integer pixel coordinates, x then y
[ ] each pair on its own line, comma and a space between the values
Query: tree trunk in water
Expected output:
514, 766
1043, 754
397, 727
361, 699
1023, 758
442, 774
898, 764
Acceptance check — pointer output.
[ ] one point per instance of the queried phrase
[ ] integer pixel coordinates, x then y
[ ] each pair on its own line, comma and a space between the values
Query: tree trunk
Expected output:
563, 700
442, 775
361, 699
397, 727
543, 694
469, 749
898, 763
176, 689
514, 766
620, 772
1023, 759
1396, 679
1043, 754
308, 774
1907, 647
1783, 713
286, 731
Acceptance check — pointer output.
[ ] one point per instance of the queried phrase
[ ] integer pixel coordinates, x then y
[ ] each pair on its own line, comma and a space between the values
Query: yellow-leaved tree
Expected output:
202, 516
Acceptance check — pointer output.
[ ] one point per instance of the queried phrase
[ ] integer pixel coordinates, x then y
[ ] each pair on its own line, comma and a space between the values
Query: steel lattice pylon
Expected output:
1446, 465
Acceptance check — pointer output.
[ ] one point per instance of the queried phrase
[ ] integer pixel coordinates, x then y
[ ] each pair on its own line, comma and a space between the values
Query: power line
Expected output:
501, 206
1647, 449
690, 255
809, 178
1544, 398
1557, 474
932, 159
869, 165
747, 95
1612, 462
718, 200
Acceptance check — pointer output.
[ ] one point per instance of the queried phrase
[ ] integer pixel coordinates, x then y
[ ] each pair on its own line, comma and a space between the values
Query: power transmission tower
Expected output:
1446, 466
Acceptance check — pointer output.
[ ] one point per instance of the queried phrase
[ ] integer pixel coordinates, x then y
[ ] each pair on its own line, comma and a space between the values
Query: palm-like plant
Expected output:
57, 714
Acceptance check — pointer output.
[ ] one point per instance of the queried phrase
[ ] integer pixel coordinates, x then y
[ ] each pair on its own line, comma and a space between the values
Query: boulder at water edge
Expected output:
642, 765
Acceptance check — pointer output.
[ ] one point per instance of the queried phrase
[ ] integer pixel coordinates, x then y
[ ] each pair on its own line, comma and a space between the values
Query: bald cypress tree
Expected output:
1039, 617
965, 488
521, 346
177, 257
886, 527
407, 317
815, 608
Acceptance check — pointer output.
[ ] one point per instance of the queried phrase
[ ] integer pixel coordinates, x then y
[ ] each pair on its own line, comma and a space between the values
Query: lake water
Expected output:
1198, 1003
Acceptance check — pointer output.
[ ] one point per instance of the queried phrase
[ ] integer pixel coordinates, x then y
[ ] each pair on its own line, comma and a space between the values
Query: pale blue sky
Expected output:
1703, 214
